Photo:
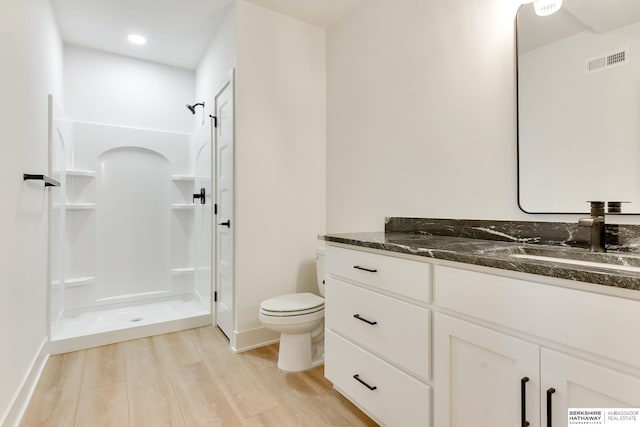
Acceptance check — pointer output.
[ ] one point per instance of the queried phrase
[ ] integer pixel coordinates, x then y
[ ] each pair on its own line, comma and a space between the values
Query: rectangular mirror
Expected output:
579, 106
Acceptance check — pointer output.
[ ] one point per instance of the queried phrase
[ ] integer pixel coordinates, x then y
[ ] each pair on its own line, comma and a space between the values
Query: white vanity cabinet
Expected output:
415, 342
378, 333
488, 378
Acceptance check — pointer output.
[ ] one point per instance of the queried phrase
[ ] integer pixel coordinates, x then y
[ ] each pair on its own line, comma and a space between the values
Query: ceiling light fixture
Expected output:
137, 39
546, 7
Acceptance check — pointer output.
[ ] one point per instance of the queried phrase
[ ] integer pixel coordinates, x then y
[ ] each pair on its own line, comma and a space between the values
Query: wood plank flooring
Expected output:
186, 379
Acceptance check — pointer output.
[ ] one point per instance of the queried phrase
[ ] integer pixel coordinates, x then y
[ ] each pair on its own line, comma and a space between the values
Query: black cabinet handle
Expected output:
370, 270
226, 223
523, 403
357, 378
549, 394
357, 316
201, 196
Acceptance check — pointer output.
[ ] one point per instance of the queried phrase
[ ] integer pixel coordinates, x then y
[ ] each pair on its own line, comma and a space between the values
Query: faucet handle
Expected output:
597, 207
615, 207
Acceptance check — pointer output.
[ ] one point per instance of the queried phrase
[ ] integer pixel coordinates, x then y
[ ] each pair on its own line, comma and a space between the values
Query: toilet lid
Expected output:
292, 302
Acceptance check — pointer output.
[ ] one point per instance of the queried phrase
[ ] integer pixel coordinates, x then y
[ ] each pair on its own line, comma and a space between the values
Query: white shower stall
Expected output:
124, 253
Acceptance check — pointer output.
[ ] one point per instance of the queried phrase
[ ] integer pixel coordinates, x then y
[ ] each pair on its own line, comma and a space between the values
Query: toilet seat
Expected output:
292, 305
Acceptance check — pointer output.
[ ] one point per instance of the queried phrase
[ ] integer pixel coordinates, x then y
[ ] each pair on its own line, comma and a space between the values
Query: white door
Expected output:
203, 218
481, 376
569, 382
224, 198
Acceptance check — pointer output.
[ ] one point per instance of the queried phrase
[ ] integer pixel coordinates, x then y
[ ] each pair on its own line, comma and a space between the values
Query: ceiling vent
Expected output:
618, 57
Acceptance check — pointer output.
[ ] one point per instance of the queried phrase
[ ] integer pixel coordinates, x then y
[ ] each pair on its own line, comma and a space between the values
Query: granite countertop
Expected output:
496, 254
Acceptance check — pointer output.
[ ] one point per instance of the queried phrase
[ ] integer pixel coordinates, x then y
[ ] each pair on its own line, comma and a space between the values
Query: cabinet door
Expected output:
581, 384
478, 380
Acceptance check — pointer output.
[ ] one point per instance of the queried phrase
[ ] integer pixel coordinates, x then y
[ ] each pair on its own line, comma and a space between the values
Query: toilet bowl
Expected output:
300, 320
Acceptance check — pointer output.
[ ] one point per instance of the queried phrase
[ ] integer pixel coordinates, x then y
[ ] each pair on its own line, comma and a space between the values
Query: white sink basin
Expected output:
571, 256
583, 263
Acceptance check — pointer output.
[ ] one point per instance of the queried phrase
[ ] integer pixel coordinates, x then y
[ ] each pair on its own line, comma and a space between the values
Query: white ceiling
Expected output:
321, 13
178, 31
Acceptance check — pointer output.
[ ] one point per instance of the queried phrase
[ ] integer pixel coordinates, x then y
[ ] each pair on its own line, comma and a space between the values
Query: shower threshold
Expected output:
86, 328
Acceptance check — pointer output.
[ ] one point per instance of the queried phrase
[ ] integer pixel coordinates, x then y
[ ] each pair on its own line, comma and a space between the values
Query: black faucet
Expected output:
596, 223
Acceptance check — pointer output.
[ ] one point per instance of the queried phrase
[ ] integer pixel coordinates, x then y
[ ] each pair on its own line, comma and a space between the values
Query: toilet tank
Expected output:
320, 268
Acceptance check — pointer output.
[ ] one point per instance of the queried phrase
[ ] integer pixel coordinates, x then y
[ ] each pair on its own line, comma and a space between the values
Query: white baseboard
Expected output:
253, 338
21, 399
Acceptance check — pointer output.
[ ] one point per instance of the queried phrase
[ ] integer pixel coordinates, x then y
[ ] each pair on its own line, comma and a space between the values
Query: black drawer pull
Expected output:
549, 394
370, 270
523, 404
357, 316
357, 378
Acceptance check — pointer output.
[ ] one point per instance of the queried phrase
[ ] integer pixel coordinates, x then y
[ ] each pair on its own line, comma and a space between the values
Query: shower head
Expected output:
192, 108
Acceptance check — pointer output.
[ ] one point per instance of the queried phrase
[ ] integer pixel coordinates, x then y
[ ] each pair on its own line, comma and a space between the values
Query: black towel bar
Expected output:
48, 181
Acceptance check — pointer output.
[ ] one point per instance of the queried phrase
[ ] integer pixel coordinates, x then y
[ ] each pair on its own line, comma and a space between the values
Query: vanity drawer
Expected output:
579, 319
400, 276
398, 400
402, 333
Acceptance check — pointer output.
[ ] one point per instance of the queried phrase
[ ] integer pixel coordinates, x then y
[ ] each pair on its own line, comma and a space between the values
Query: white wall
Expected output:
215, 67
421, 113
280, 157
31, 58
112, 89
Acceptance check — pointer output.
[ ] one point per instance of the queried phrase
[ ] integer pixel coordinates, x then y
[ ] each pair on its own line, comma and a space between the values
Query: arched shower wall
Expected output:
132, 224
129, 233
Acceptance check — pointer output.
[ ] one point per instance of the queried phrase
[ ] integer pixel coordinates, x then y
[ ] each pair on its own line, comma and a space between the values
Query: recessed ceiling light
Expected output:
136, 39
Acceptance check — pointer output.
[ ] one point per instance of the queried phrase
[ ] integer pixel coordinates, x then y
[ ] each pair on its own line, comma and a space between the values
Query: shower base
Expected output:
86, 328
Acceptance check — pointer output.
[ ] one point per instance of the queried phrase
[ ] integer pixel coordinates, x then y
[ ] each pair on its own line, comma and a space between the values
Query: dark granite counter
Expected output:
500, 254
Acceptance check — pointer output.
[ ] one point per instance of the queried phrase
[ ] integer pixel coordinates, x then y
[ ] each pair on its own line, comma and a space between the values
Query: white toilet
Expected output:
300, 320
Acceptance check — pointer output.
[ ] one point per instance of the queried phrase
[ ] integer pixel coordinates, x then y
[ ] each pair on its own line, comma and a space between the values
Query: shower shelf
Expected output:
79, 281
182, 178
77, 172
182, 271
182, 206
80, 206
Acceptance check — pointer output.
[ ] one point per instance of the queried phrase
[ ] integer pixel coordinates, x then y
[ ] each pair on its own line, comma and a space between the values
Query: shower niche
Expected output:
128, 239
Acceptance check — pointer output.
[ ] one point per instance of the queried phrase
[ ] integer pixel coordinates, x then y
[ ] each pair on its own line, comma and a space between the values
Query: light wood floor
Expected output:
188, 378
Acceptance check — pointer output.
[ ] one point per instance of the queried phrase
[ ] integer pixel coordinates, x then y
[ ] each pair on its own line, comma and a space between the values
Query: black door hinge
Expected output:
215, 120
215, 209
215, 296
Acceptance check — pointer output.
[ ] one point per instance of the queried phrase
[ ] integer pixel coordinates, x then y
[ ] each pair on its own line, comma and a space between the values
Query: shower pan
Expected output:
124, 224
